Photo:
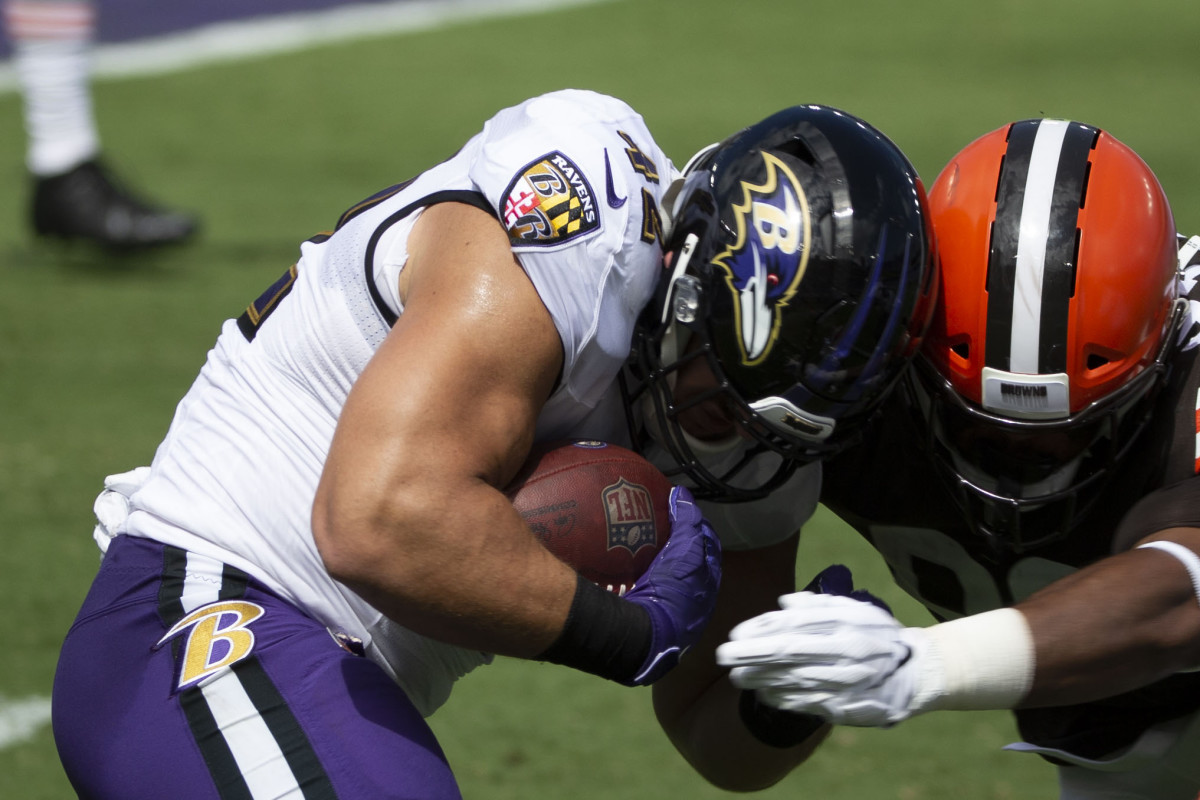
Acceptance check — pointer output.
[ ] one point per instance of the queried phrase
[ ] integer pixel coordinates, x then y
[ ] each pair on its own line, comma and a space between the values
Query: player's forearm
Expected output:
707, 719
701, 711
457, 564
1117, 625
713, 737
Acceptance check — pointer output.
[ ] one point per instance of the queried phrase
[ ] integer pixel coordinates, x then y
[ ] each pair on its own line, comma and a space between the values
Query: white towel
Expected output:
112, 505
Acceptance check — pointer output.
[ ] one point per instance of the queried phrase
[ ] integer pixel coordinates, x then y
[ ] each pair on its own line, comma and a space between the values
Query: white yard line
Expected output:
21, 718
257, 38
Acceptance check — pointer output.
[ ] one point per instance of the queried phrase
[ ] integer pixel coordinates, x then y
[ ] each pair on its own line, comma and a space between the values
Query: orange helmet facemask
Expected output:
1058, 299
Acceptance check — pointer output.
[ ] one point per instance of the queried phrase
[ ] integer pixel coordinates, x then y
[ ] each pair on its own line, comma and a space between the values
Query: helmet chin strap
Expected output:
678, 268
674, 342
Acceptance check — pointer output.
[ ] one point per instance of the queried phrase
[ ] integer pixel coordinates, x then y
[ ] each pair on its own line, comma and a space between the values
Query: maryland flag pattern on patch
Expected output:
549, 202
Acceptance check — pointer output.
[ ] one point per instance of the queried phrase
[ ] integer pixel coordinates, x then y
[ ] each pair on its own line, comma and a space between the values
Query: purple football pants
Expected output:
184, 678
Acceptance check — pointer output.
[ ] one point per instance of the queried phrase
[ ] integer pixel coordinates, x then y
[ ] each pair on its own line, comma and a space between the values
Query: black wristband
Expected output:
773, 726
603, 635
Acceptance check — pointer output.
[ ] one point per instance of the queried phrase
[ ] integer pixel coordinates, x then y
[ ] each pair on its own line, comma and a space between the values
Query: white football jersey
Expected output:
577, 181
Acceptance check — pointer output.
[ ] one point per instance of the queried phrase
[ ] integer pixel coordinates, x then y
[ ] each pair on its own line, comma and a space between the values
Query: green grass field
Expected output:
95, 351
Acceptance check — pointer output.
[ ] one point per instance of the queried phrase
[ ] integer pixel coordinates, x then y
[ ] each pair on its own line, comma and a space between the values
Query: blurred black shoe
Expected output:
89, 203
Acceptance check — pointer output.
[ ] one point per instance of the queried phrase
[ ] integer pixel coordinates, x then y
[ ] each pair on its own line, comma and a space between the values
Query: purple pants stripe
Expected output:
270, 703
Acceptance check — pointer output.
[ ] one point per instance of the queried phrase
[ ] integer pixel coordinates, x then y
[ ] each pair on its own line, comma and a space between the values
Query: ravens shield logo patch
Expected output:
549, 203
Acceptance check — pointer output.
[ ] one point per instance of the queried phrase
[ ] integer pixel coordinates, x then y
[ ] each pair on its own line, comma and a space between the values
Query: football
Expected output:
601, 508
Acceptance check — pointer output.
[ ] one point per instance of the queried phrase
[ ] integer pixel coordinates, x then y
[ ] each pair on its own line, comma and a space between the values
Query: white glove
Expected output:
112, 505
848, 661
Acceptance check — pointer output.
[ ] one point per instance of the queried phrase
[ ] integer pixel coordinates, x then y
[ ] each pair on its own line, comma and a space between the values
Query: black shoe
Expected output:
88, 203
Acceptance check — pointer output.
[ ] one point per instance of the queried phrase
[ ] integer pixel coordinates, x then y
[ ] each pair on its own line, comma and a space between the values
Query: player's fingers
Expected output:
779, 623
785, 634
840, 607
862, 713
684, 511
800, 702
764, 650
791, 651
827, 677
758, 677
831, 678
692, 554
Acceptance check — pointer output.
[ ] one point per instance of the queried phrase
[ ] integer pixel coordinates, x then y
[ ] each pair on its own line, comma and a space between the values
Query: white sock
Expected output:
52, 55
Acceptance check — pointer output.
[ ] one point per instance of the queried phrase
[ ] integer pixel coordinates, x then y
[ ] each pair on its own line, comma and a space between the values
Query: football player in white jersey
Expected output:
1048, 506
321, 546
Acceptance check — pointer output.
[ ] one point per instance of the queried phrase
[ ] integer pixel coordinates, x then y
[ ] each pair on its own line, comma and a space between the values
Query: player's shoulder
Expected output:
1185, 366
563, 166
576, 109
1189, 289
582, 124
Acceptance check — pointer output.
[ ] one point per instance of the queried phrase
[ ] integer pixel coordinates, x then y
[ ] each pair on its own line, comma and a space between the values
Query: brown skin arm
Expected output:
408, 512
1117, 625
696, 704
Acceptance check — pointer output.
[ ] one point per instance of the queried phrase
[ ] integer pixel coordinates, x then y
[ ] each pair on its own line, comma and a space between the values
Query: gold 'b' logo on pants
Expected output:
217, 636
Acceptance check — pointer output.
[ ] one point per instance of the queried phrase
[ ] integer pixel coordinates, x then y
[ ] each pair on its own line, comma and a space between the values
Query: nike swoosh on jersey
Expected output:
610, 191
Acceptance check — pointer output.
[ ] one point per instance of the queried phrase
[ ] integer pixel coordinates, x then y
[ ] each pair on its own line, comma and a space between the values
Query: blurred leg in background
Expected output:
75, 194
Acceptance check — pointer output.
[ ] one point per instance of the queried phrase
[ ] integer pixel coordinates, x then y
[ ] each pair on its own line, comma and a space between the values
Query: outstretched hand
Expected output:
843, 659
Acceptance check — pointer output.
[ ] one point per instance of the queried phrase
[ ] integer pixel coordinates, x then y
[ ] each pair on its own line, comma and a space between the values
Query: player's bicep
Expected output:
451, 398
487, 347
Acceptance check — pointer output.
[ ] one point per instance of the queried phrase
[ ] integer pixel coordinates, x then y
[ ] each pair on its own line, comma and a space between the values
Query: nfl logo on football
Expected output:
630, 516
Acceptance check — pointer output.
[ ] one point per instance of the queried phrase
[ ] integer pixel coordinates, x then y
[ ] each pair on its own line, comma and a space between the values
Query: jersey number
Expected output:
644, 165
938, 571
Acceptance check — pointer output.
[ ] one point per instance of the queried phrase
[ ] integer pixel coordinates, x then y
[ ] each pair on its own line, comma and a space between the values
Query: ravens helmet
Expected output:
797, 280
1058, 300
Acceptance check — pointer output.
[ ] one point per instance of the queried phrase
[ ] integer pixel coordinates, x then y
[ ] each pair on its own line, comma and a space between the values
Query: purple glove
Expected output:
679, 590
837, 580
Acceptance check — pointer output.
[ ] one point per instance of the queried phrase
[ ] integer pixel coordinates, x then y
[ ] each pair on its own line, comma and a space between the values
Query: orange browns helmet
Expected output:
1059, 260
1058, 299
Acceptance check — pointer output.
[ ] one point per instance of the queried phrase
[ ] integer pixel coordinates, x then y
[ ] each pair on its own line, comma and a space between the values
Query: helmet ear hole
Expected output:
962, 350
798, 150
1098, 359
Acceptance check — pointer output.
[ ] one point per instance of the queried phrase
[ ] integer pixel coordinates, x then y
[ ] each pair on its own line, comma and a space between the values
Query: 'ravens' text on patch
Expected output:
549, 202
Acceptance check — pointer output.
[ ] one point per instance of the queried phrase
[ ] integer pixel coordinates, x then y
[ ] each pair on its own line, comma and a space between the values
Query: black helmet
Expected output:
799, 267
